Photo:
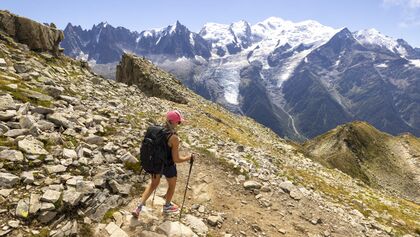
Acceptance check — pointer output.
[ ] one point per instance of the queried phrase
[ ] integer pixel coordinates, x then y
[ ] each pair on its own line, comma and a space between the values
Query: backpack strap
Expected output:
169, 134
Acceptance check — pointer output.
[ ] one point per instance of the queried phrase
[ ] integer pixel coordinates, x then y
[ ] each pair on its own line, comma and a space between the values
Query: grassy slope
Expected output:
225, 126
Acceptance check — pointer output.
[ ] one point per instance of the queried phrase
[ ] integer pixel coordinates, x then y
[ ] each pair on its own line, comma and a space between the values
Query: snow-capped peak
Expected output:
174, 27
286, 31
374, 37
215, 31
177, 26
102, 24
218, 34
273, 20
241, 29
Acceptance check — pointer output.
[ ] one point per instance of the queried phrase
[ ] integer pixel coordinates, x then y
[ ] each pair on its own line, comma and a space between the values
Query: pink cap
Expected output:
174, 116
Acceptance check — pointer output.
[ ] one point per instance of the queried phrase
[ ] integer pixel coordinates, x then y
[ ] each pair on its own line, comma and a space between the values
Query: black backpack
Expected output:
154, 150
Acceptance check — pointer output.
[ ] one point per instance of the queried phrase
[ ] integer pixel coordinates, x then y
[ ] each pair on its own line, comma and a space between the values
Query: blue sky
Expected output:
396, 18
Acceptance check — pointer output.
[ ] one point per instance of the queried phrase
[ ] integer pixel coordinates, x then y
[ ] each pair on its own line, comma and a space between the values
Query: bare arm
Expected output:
174, 142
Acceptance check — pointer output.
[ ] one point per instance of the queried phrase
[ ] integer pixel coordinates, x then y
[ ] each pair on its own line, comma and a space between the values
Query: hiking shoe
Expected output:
170, 208
136, 211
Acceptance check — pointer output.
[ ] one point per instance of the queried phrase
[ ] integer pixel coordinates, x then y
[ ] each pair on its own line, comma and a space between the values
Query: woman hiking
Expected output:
173, 120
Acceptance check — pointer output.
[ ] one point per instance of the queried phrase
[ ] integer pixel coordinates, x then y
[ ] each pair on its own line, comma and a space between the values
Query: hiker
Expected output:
173, 119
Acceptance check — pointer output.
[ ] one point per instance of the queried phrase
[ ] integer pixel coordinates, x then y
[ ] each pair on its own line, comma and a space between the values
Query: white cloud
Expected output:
413, 4
410, 15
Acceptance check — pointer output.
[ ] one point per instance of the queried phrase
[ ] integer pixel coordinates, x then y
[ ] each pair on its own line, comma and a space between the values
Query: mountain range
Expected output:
300, 79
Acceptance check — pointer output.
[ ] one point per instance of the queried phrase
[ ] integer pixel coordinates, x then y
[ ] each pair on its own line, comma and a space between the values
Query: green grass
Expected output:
251, 159
70, 141
221, 161
5, 141
59, 203
20, 94
108, 131
49, 144
406, 211
85, 230
108, 215
341, 195
44, 232
135, 167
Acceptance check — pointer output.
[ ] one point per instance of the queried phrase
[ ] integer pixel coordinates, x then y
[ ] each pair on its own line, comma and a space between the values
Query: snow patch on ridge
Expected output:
382, 65
415, 62
374, 37
82, 56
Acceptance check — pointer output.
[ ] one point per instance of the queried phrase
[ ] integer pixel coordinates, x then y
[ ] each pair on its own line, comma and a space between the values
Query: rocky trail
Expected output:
221, 204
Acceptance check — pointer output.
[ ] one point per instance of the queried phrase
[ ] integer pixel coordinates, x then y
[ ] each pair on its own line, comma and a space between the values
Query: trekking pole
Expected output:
153, 199
186, 187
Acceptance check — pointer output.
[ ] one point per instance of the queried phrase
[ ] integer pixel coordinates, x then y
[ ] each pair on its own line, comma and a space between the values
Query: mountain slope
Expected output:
377, 158
68, 146
357, 84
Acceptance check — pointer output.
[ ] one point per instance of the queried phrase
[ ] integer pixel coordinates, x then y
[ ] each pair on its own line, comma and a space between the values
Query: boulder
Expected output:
22, 209
93, 139
175, 229
5, 192
44, 125
128, 158
296, 194
54, 91
71, 197
42, 110
11, 155
3, 62
27, 177
123, 189
46, 206
16, 132
197, 225
59, 120
6, 101
133, 70
47, 216
287, 186
32, 146
214, 220
115, 231
36, 36
252, 185
7, 115
34, 203
52, 169
3, 129
27, 121
69, 154
51, 196
8, 180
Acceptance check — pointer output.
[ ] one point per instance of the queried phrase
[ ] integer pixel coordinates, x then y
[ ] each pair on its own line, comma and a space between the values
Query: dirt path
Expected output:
214, 190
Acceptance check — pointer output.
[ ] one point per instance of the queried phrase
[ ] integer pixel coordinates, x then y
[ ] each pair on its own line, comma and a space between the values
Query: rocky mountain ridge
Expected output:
68, 146
376, 158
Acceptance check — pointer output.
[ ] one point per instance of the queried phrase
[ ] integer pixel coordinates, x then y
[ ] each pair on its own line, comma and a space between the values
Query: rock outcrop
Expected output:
36, 36
134, 70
